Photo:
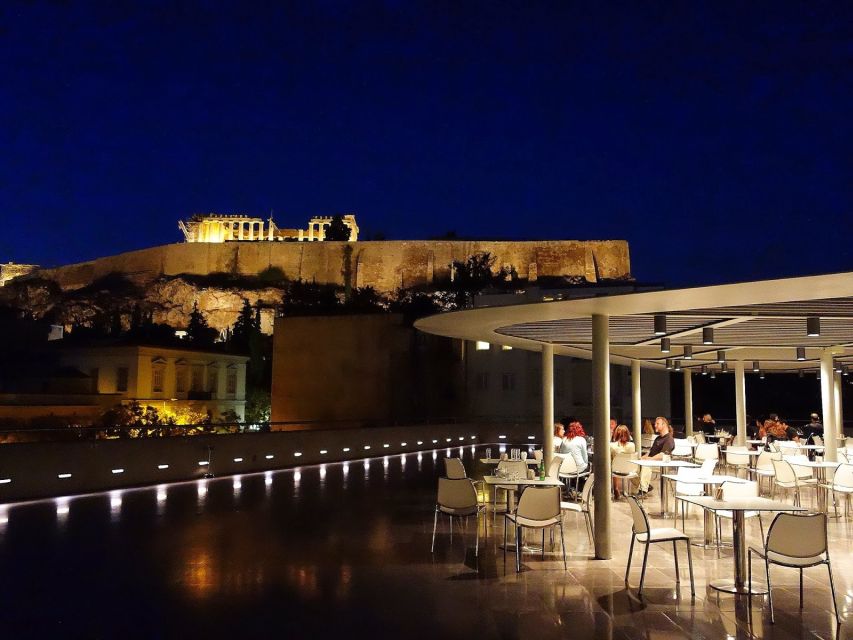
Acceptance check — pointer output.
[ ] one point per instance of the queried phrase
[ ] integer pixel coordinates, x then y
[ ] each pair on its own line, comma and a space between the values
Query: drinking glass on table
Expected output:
489, 453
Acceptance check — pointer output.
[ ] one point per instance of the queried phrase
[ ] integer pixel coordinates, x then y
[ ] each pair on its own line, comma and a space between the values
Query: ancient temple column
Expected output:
240, 230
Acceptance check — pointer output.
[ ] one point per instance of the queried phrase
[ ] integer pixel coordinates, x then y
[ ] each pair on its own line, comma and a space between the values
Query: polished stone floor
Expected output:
343, 550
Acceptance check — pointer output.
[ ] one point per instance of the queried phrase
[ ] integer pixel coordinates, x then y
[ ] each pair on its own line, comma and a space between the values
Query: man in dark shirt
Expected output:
662, 445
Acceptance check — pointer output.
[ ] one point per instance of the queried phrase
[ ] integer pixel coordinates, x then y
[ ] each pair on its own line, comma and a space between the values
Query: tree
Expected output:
198, 333
257, 406
472, 276
338, 230
247, 326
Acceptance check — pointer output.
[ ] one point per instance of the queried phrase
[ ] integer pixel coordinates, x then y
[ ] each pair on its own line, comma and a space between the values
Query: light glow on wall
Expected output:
63, 476
238, 459
117, 471
297, 454
162, 466
269, 456
5, 480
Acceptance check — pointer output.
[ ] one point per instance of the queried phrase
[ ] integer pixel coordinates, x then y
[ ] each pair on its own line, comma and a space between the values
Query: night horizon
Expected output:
713, 139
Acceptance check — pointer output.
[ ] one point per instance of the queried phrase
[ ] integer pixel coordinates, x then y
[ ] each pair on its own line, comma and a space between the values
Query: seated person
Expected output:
663, 445
621, 444
707, 424
575, 445
559, 436
793, 434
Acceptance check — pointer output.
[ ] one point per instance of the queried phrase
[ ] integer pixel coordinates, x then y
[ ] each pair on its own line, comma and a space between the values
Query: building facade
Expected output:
507, 383
172, 380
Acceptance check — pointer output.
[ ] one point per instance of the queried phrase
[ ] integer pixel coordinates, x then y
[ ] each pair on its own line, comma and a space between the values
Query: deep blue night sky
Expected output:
715, 137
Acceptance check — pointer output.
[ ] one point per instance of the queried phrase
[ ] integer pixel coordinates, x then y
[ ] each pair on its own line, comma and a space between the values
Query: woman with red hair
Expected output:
575, 445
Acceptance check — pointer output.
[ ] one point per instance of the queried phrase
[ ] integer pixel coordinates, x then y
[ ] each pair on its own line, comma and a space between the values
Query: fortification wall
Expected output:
385, 265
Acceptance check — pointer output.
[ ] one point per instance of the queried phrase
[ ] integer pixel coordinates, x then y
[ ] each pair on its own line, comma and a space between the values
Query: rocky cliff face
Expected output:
169, 300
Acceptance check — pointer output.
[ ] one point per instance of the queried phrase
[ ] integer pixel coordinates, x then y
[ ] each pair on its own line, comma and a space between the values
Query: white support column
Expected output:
601, 433
310, 232
740, 403
548, 404
240, 230
688, 403
827, 396
837, 405
637, 404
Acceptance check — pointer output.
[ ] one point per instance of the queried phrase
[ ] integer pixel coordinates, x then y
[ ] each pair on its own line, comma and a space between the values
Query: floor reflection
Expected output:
317, 552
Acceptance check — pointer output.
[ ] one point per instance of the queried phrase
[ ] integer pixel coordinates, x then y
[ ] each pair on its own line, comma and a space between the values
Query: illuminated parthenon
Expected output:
216, 227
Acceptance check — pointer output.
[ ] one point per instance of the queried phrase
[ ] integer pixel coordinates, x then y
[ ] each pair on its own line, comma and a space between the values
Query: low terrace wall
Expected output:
49, 469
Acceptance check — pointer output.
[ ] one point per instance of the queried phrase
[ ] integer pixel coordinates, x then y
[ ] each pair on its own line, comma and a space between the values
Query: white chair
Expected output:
707, 451
512, 467
554, 470
583, 507
799, 542
538, 508
708, 467
789, 448
688, 488
842, 483
786, 478
644, 534
646, 440
700, 437
457, 498
737, 490
682, 448
454, 468
569, 471
764, 466
737, 458
817, 440
623, 469
537, 455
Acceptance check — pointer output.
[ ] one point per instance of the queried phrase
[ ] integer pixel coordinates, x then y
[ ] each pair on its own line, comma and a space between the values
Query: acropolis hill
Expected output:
243, 246
384, 265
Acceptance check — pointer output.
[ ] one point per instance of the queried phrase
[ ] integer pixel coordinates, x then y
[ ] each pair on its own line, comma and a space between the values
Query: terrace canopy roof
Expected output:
763, 321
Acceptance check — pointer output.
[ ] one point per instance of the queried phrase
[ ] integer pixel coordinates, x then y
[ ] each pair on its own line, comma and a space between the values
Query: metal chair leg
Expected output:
643, 571
563, 545
801, 588
769, 590
675, 554
630, 553
690, 567
450, 518
505, 542
832, 590
434, 525
477, 534
517, 549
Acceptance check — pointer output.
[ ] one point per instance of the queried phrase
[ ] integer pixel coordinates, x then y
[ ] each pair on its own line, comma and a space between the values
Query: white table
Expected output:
494, 480
738, 506
530, 461
708, 482
660, 464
